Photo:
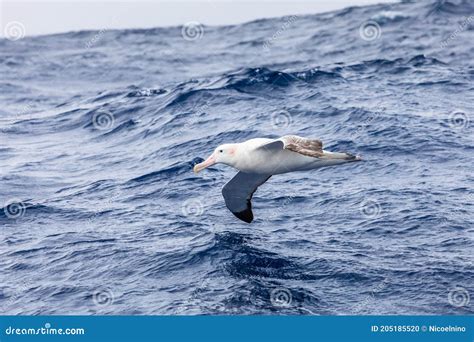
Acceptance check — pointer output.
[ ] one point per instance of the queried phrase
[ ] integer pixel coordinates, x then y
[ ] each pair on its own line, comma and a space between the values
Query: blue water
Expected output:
100, 130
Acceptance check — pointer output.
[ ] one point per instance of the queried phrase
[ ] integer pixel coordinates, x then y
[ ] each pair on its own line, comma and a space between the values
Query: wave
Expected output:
101, 130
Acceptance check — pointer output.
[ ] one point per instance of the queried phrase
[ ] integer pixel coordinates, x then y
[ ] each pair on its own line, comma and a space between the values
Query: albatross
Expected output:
260, 158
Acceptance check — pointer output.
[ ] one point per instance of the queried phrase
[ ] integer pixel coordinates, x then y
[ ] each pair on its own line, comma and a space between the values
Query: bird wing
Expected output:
304, 146
238, 193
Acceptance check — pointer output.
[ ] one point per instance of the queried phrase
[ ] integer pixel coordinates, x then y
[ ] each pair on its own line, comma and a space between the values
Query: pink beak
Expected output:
208, 162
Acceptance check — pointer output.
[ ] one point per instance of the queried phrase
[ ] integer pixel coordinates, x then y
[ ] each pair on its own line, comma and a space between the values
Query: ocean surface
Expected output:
102, 214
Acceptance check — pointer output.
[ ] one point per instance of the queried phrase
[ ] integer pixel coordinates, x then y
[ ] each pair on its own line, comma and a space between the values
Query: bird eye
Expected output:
220, 151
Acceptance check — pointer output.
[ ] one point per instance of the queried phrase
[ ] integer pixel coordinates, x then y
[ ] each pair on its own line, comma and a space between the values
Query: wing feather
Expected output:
304, 146
238, 193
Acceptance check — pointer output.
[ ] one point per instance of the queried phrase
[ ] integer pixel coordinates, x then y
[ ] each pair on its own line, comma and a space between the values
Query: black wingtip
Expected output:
246, 215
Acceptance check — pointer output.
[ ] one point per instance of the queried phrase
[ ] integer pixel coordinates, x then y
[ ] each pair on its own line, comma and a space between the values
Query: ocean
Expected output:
100, 212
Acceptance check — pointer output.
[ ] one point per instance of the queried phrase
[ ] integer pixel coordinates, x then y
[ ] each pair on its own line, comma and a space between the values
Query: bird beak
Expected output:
208, 162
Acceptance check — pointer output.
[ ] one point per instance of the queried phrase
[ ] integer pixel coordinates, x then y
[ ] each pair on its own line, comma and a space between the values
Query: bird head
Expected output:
224, 154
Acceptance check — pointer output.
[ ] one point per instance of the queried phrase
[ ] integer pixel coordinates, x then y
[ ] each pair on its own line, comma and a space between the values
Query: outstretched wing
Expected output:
238, 193
304, 146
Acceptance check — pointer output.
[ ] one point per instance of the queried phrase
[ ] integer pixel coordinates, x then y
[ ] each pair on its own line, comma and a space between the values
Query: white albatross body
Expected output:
258, 159
253, 157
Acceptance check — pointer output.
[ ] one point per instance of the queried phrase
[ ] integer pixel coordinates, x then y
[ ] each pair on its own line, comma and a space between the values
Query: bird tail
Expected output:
339, 155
